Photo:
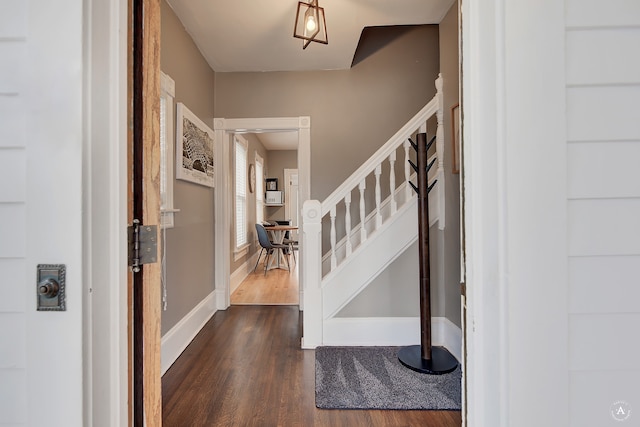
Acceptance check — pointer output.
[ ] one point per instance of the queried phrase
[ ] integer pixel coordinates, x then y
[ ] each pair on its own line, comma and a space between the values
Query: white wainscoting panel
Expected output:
13, 121
602, 13
603, 113
613, 46
592, 394
604, 341
603, 169
13, 397
607, 284
13, 297
604, 227
12, 66
13, 225
13, 170
13, 18
13, 345
178, 338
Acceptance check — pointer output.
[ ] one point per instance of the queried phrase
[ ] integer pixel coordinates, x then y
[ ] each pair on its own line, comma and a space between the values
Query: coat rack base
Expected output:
442, 362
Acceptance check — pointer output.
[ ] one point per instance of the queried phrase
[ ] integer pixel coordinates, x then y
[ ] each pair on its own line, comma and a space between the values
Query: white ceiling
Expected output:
279, 140
257, 35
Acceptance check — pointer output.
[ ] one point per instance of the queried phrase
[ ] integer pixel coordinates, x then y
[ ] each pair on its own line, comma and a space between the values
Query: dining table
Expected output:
278, 232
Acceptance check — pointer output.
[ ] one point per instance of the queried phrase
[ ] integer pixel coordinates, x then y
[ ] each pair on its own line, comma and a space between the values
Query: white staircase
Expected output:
356, 252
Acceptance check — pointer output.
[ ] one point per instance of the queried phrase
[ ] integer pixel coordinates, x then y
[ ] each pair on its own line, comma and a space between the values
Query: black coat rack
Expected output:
425, 358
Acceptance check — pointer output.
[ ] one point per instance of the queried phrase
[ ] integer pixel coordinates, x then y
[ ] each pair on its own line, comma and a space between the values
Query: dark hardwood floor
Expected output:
246, 368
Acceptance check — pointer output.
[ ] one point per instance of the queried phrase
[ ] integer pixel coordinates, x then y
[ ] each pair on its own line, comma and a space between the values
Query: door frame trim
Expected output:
224, 130
105, 347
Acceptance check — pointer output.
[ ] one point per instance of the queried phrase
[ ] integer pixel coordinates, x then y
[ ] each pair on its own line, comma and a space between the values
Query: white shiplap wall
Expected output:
41, 135
603, 155
13, 376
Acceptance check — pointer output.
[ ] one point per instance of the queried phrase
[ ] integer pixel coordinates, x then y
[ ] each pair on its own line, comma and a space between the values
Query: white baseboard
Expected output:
178, 338
391, 331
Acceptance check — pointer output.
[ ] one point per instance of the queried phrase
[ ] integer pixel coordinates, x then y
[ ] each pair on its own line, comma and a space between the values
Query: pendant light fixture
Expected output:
310, 25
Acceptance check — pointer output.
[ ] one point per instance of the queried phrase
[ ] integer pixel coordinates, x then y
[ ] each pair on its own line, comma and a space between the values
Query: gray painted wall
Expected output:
189, 257
353, 112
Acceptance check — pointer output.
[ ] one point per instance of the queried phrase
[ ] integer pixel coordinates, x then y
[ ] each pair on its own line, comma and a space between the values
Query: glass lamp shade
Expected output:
310, 25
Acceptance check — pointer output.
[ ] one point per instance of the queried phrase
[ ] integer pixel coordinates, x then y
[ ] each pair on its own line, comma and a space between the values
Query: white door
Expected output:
291, 204
41, 181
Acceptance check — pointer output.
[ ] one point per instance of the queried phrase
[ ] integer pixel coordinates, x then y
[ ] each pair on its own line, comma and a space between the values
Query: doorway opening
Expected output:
225, 130
262, 275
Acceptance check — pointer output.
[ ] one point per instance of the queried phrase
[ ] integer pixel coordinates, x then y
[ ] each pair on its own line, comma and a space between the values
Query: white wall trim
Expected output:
105, 351
391, 331
178, 338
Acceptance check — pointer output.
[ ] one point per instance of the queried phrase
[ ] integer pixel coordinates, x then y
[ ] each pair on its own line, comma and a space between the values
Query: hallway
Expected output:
246, 368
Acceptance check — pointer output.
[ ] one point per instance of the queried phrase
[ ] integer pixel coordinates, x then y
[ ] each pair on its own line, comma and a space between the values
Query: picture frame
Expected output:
195, 148
455, 139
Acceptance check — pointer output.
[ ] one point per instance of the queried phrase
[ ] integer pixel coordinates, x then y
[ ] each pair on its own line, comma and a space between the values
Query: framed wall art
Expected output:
194, 148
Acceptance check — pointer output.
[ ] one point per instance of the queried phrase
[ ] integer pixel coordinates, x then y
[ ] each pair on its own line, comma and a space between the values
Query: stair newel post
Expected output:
312, 260
425, 358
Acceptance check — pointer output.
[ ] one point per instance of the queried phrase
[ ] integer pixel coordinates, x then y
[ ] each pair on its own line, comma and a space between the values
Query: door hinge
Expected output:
143, 245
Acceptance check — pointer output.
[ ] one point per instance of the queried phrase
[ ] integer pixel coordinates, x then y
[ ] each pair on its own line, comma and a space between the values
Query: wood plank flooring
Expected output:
246, 368
278, 287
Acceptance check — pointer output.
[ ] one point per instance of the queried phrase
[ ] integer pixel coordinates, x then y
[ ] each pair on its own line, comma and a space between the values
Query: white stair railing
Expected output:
352, 237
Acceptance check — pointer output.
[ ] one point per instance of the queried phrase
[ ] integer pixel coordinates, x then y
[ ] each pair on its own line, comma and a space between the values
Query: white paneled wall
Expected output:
13, 47
603, 154
604, 169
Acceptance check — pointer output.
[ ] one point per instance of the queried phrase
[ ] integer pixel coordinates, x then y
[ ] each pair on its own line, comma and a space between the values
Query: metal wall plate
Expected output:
50, 288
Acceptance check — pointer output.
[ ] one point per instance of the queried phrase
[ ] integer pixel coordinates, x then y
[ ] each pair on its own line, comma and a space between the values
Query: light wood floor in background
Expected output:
246, 368
278, 287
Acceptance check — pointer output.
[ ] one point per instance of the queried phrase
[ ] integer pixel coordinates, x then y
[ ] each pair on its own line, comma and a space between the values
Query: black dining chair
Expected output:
269, 247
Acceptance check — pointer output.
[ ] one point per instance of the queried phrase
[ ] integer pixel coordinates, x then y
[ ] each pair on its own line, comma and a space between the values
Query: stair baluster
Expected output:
407, 170
334, 259
392, 183
363, 230
347, 223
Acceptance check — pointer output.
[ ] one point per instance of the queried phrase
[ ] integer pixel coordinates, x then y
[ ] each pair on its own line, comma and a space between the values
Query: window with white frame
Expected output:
241, 149
259, 189
167, 142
